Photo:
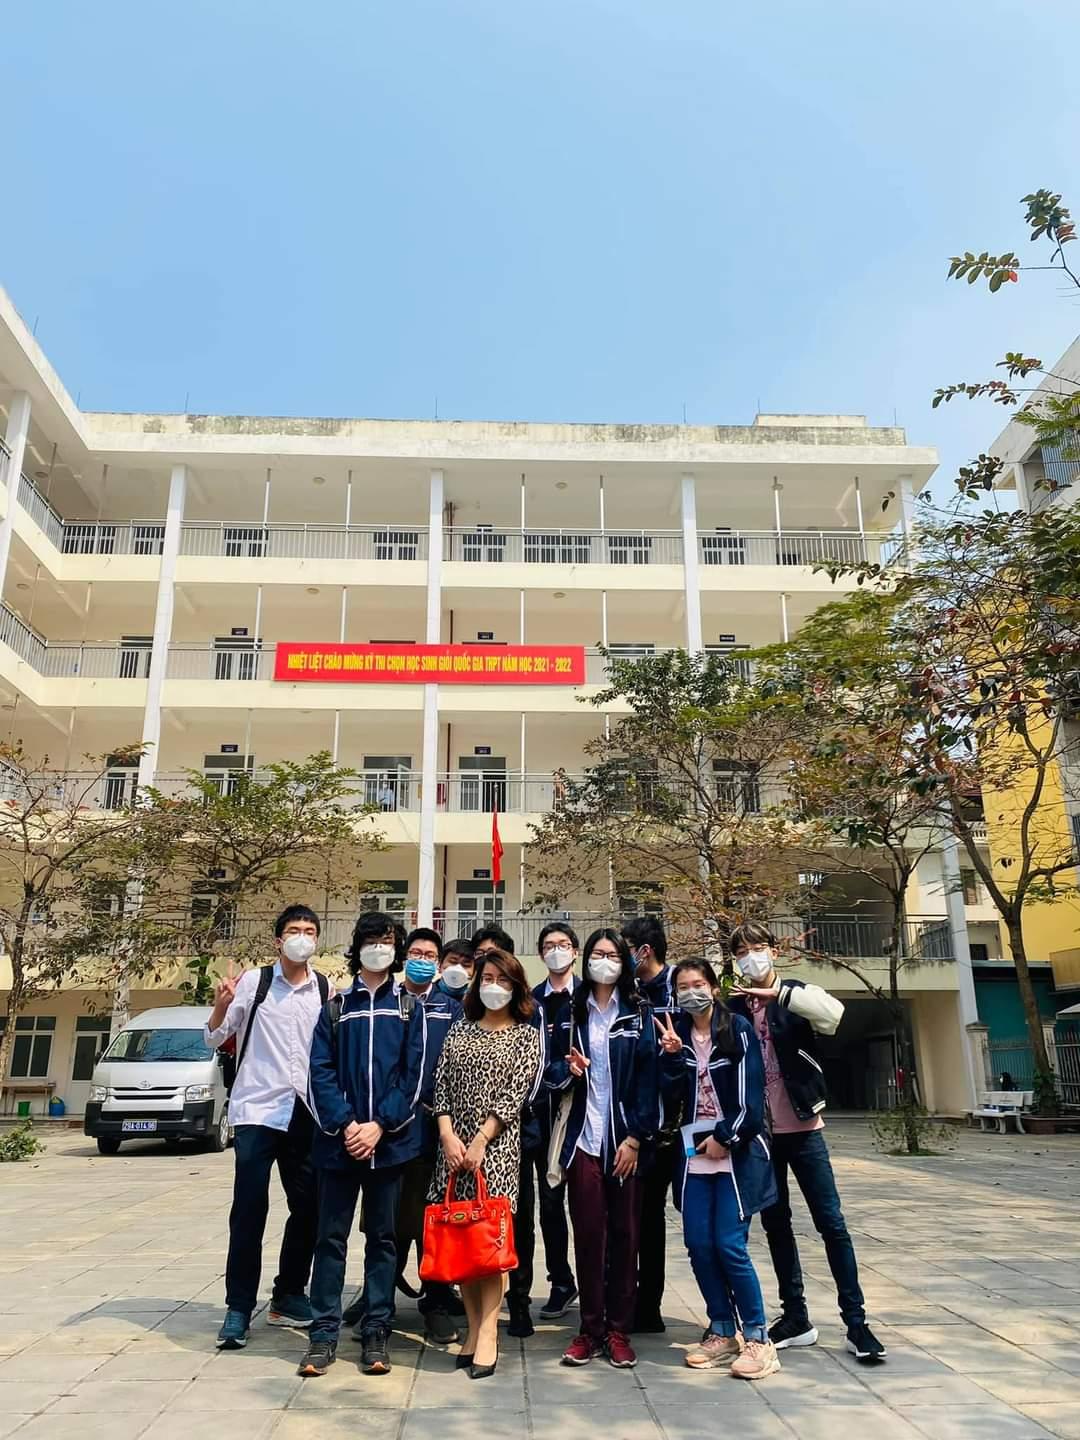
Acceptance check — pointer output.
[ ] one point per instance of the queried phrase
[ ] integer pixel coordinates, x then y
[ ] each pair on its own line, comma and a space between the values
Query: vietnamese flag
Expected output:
496, 849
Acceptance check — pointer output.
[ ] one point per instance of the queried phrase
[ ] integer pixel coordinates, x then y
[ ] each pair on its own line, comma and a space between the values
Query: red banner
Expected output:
297, 660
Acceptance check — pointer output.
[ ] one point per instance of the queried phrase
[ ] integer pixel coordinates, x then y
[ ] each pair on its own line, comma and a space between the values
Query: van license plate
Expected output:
133, 1127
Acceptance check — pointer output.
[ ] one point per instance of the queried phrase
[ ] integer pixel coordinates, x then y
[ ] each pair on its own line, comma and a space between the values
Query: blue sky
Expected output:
568, 210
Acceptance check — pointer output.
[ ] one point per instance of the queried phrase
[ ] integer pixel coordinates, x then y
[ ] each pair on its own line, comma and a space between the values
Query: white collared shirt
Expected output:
598, 1075
275, 1068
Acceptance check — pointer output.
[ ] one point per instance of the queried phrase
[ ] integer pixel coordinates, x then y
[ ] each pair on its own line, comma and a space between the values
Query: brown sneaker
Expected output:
757, 1360
714, 1351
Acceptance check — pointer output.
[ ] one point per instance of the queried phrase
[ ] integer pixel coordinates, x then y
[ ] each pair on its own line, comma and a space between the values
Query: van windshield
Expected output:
158, 1045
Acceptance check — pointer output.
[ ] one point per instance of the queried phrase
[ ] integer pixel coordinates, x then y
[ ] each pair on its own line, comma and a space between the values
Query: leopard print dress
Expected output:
481, 1073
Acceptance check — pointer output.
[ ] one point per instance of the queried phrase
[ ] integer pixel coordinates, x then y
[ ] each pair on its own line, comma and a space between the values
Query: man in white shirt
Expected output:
272, 1011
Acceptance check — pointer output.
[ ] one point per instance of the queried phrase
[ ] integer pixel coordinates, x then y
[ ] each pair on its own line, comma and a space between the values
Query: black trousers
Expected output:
653, 1244
257, 1149
339, 1191
519, 1285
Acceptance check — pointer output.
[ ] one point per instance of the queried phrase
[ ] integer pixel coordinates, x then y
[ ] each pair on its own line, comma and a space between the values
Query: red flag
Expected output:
496, 849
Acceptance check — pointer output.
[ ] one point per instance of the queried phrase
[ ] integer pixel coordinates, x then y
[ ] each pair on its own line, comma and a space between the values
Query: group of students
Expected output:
617, 1079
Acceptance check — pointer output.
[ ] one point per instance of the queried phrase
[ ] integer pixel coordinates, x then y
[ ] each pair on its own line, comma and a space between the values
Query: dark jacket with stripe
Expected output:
634, 1063
739, 1082
441, 1010
368, 1066
551, 1010
797, 1014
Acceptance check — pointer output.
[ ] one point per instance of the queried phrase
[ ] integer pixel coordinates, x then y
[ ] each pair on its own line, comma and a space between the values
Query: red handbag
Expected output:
468, 1239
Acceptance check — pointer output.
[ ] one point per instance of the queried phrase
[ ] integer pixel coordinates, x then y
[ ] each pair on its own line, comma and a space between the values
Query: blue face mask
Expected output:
420, 972
634, 959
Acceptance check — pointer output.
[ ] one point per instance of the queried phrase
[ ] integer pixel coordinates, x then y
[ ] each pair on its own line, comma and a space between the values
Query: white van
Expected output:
159, 1077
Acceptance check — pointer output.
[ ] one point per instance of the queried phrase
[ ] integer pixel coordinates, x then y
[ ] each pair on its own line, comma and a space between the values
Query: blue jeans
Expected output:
716, 1239
807, 1156
339, 1191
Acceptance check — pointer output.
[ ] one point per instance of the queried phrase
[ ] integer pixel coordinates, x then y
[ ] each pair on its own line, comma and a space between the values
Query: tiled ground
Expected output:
111, 1291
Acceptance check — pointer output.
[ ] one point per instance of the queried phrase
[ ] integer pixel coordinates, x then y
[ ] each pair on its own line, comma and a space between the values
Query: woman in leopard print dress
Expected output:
489, 1066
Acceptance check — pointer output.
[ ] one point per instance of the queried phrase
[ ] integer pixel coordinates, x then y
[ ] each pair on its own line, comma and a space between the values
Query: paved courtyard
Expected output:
111, 1292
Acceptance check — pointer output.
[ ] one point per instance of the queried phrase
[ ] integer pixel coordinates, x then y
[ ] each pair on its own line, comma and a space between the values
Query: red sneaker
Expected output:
620, 1352
581, 1350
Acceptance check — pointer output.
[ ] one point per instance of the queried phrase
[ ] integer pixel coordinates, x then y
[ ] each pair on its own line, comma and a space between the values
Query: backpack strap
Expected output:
333, 1014
324, 986
262, 989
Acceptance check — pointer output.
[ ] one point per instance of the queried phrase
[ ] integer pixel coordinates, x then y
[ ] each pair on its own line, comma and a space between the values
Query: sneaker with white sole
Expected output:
792, 1331
714, 1351
758, 1359
864, 1344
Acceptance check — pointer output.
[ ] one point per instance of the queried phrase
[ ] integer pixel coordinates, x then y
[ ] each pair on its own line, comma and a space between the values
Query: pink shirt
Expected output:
784, 1119
708, 1108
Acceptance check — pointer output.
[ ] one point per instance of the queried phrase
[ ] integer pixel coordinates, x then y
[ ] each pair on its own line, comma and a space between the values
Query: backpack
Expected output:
234, 1058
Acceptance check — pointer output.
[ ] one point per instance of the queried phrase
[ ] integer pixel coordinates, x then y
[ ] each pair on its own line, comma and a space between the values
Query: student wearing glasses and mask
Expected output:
787, 1015
606, 1055
365, 1079
712, 1070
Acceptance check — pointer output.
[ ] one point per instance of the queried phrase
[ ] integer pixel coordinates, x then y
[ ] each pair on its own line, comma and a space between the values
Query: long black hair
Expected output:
624, 985
723, 1029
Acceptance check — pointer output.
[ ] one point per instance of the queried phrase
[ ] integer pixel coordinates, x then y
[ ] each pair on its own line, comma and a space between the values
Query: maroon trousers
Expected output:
606, 1216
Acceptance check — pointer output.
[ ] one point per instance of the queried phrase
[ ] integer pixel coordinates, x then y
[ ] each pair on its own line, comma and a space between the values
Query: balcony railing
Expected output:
493, 546
255, 541
40, 511
850, 937
791, 547
18, 636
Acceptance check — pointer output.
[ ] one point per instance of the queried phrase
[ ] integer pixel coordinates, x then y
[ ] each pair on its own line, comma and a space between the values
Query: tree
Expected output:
849, 767
55, 842
683, 804
198, 864
975, 646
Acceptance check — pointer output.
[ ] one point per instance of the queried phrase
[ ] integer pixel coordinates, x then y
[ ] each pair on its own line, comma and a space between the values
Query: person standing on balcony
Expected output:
367, 1057
519, 1284
713, 1072
559, 948
648, 950
787, 1015
272, 1011
606, 1054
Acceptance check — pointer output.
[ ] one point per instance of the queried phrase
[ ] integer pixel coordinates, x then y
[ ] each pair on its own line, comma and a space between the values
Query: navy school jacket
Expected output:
441, 1010
550, 1011
633, 1058
739, 1082
369, 1065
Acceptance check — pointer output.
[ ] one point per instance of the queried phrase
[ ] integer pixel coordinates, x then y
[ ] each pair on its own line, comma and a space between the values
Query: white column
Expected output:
958, 931
1023, 494
858, 506
425, 900
163, 618
691, 578
18, 427
783, 618
906, 495
776, 488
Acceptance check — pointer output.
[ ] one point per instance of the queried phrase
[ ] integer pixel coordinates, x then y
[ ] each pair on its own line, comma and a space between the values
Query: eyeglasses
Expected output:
599, 954
420, 955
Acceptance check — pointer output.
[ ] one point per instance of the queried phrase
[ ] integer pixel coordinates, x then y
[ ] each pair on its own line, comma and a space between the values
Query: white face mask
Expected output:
494, 996
377, 957
455, 977
755, 964
298, 948
559, 959
603, 970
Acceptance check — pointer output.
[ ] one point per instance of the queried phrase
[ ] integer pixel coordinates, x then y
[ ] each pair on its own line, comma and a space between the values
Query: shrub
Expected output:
20, 1143
910, 1130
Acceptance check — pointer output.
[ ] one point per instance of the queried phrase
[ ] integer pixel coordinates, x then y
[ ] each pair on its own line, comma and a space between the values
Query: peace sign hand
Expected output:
670, 1042
578, 1063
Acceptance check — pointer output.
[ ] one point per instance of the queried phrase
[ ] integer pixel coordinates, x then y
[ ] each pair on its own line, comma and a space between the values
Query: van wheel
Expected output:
108, 1145
222, 1133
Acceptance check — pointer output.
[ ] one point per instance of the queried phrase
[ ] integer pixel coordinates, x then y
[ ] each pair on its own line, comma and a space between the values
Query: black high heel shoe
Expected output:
481, 1372
463, 1361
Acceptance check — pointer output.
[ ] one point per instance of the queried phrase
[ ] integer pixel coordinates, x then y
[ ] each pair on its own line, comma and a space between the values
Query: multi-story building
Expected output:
1040, 476
151, 564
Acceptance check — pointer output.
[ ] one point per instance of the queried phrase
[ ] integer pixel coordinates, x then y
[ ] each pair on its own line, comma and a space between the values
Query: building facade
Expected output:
152, 563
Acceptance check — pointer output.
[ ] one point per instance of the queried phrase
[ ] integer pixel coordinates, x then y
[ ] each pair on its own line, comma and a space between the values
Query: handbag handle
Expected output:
481, 1188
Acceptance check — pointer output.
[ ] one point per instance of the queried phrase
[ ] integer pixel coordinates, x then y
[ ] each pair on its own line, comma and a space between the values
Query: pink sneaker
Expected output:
757, 1360
714, 1351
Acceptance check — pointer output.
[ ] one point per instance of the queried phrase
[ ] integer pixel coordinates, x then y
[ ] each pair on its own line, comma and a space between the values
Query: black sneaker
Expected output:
559, 1302
318, 1358
792, 1331
375, 1356
520, 1326
439, 1328
233, 1334
864, 1344
293, 1310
